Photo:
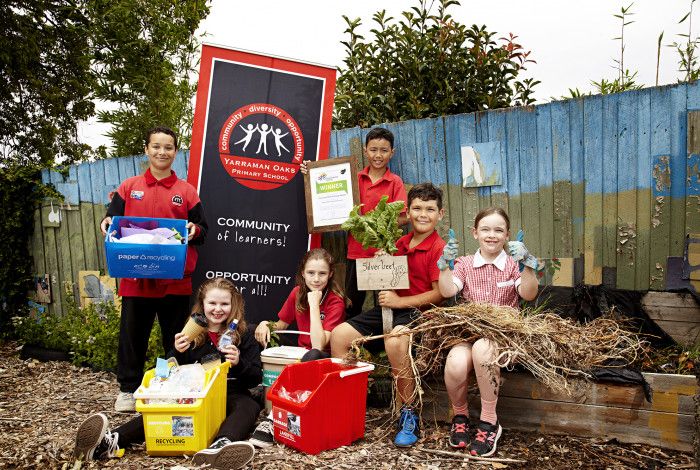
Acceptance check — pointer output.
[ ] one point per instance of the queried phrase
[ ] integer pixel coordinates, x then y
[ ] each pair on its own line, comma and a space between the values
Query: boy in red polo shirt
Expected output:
158, 193
422, 247
374, 181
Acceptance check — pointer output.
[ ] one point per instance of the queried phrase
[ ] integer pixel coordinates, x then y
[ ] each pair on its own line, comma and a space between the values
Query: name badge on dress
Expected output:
507, 283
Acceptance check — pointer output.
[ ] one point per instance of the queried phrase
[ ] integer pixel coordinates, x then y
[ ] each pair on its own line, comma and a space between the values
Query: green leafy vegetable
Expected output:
378, 228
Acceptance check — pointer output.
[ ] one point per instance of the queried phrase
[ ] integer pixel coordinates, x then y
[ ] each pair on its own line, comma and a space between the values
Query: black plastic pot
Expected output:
379, 392
40, 353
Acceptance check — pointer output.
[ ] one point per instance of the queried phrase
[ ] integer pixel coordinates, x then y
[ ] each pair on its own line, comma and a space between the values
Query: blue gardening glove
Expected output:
449, 253
520, 253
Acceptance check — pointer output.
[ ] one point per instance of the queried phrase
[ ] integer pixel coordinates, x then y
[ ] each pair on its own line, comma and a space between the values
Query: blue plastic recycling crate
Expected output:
146, 261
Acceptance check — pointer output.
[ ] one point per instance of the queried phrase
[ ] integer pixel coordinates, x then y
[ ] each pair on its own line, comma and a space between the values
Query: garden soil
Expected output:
43, 403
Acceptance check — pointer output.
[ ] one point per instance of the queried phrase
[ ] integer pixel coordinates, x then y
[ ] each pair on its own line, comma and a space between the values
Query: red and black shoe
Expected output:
485, 440
459, 432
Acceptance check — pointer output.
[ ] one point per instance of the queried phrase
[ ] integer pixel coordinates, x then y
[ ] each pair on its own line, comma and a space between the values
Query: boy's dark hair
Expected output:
425, 192
380, 133
160, 130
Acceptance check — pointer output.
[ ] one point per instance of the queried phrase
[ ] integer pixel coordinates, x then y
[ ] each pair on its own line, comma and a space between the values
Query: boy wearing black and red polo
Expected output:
158, 193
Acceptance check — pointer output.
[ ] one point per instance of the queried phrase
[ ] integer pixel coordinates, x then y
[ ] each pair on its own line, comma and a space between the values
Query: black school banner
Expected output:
256, 119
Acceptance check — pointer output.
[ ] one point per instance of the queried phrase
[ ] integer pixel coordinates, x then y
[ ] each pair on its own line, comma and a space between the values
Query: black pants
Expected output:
357, 297
241, 413
138, 314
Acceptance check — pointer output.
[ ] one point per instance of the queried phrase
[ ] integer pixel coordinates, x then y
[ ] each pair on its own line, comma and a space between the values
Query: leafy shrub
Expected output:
90, 334
426, 64
21, 192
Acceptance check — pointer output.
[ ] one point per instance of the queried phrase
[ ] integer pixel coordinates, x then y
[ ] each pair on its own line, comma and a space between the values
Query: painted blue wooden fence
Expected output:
605, 184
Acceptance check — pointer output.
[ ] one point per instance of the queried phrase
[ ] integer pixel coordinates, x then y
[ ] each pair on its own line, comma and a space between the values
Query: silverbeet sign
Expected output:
256, 119
382, 273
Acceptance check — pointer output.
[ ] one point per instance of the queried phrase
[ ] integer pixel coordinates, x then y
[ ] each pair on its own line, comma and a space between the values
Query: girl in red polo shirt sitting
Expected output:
489, 276
316, 303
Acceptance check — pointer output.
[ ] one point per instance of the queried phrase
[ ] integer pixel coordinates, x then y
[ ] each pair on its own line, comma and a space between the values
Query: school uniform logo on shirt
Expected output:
138, 195
177, 200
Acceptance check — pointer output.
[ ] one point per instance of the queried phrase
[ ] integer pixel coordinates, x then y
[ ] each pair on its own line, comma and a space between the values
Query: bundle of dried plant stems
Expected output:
554, 349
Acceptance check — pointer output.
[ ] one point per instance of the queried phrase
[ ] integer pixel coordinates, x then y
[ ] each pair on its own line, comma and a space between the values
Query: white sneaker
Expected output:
125, 402
225, 454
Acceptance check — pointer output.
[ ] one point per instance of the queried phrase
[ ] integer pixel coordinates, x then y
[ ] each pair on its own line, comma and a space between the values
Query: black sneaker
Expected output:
459, 432
224, 454
94, 441
485, 440
264, 435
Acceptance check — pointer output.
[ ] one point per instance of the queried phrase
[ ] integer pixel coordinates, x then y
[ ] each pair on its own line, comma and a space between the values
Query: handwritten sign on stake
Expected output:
383, 273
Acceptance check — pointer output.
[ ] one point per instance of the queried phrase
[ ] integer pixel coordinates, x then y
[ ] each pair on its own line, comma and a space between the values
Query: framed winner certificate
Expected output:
331, 192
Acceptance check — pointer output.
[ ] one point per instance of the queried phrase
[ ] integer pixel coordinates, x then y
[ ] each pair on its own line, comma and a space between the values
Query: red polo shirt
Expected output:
332, 314
370, 193
145, 196
422, 262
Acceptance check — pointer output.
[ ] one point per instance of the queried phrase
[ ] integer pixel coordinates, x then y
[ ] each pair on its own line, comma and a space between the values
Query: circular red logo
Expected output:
261, 146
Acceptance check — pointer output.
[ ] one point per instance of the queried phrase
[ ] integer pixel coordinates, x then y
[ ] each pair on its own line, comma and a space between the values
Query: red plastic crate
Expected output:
334, 414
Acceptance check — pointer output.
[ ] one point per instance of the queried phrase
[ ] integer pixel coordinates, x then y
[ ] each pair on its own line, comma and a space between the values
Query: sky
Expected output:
571, 42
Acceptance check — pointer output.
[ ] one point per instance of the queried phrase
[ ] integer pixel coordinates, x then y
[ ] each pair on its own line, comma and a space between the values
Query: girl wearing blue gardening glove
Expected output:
487, 276
520, 253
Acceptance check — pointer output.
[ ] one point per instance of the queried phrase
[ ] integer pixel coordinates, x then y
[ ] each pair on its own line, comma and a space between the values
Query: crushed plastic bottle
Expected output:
298, 396
226, 339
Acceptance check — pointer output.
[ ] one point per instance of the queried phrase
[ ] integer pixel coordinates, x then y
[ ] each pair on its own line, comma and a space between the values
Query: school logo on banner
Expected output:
261, 146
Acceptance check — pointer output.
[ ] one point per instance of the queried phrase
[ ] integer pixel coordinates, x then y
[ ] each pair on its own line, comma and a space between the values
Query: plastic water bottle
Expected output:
226, 339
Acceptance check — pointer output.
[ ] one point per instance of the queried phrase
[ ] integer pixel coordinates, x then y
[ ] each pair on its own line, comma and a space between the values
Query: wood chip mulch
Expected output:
42, 404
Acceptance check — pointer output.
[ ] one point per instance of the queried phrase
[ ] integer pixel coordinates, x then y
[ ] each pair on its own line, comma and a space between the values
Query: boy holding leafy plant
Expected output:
422, 248
374, 182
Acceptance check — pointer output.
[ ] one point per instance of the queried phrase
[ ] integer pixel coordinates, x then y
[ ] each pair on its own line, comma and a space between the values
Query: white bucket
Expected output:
274, 360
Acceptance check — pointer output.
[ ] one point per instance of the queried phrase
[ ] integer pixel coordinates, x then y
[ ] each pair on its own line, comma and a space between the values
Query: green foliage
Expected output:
90, 334
60, 56
377, 228
274, 336
426, 64
625, 79
144, 55
56, 58
46, 81
687, 49
21, 192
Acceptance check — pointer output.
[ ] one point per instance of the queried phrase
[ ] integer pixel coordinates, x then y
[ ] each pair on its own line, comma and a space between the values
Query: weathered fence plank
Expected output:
644, 206
578, 196
609, 194
491, 127
545, 180
453, 131
660, 142
626, 239
679, 124
593, 184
